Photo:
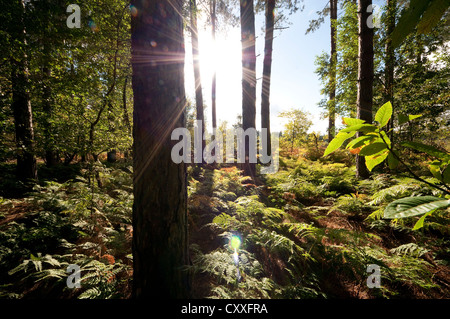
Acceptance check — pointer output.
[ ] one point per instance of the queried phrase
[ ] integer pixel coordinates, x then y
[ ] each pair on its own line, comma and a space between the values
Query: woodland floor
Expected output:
308, 231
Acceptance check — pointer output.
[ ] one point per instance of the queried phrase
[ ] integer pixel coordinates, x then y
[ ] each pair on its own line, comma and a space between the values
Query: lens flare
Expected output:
235, 242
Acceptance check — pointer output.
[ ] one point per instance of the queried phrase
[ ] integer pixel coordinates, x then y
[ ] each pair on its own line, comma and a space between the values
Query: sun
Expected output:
222, 55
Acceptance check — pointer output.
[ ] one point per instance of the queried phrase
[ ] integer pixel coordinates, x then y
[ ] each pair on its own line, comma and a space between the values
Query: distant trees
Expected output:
160, 242
298, 124
70, 78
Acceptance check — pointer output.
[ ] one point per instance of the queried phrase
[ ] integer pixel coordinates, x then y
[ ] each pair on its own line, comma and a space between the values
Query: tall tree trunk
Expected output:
197, 75
213, 84
267, 71
21, 104
248, 78
51, 154
160, 238
365, 77
390, 59
332, 102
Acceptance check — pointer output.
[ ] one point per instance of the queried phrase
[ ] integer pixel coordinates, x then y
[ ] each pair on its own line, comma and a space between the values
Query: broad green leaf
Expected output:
351, 121
419, 223
413, 117
392, 161
384, 114
408, 21
402, 118
413, 206
446, 175
372, 161
430, 150
435, 169
360, 141
432, 16
360, 128
337, 141
372, 149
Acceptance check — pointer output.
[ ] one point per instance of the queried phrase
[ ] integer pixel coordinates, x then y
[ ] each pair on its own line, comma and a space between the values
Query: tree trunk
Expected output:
390, 59
197, 75
51, 154
267, 70
248, 78
213, 84
332, 102
365, 77
21, 104
160, 238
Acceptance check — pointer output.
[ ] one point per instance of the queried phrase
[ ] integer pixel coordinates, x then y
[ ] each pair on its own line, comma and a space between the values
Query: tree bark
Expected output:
213, 84
248, 77
365, 77
390, 59
332, 102
160, 237
267, 71
21, 104
197, 75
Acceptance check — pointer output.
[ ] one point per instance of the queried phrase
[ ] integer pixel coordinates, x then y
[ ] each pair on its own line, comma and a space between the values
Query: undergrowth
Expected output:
308, 231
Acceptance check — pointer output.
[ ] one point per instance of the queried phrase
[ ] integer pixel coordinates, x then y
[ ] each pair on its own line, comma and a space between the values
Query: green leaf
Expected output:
337, 141
408, 21
432, 16
419, 223
384, 114
446, 175
360, 141
413, 206
372, 161
413, 117
351, 121
435, 169
392, 161
430, 150
373, 149
360, 128
402, 118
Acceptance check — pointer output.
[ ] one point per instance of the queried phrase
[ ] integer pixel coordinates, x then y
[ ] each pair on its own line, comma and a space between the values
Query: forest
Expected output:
120, 180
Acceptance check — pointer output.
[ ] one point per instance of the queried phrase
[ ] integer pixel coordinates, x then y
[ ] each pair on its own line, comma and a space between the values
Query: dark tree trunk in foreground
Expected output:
332, 106
23, 121
197, 76
21, 104
248, 77
160, 242
267, 71
365, 76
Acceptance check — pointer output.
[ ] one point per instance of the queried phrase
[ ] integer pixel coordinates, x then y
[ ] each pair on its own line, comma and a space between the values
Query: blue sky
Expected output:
294, 83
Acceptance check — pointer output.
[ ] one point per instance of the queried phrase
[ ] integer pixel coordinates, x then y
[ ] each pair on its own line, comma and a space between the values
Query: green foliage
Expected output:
376, 147
76, 222
421, 13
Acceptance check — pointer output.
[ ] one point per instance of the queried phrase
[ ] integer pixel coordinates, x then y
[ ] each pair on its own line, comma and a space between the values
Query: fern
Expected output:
410, 249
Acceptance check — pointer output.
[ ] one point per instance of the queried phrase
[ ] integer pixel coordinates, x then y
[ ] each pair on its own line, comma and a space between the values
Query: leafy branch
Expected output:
376, 147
